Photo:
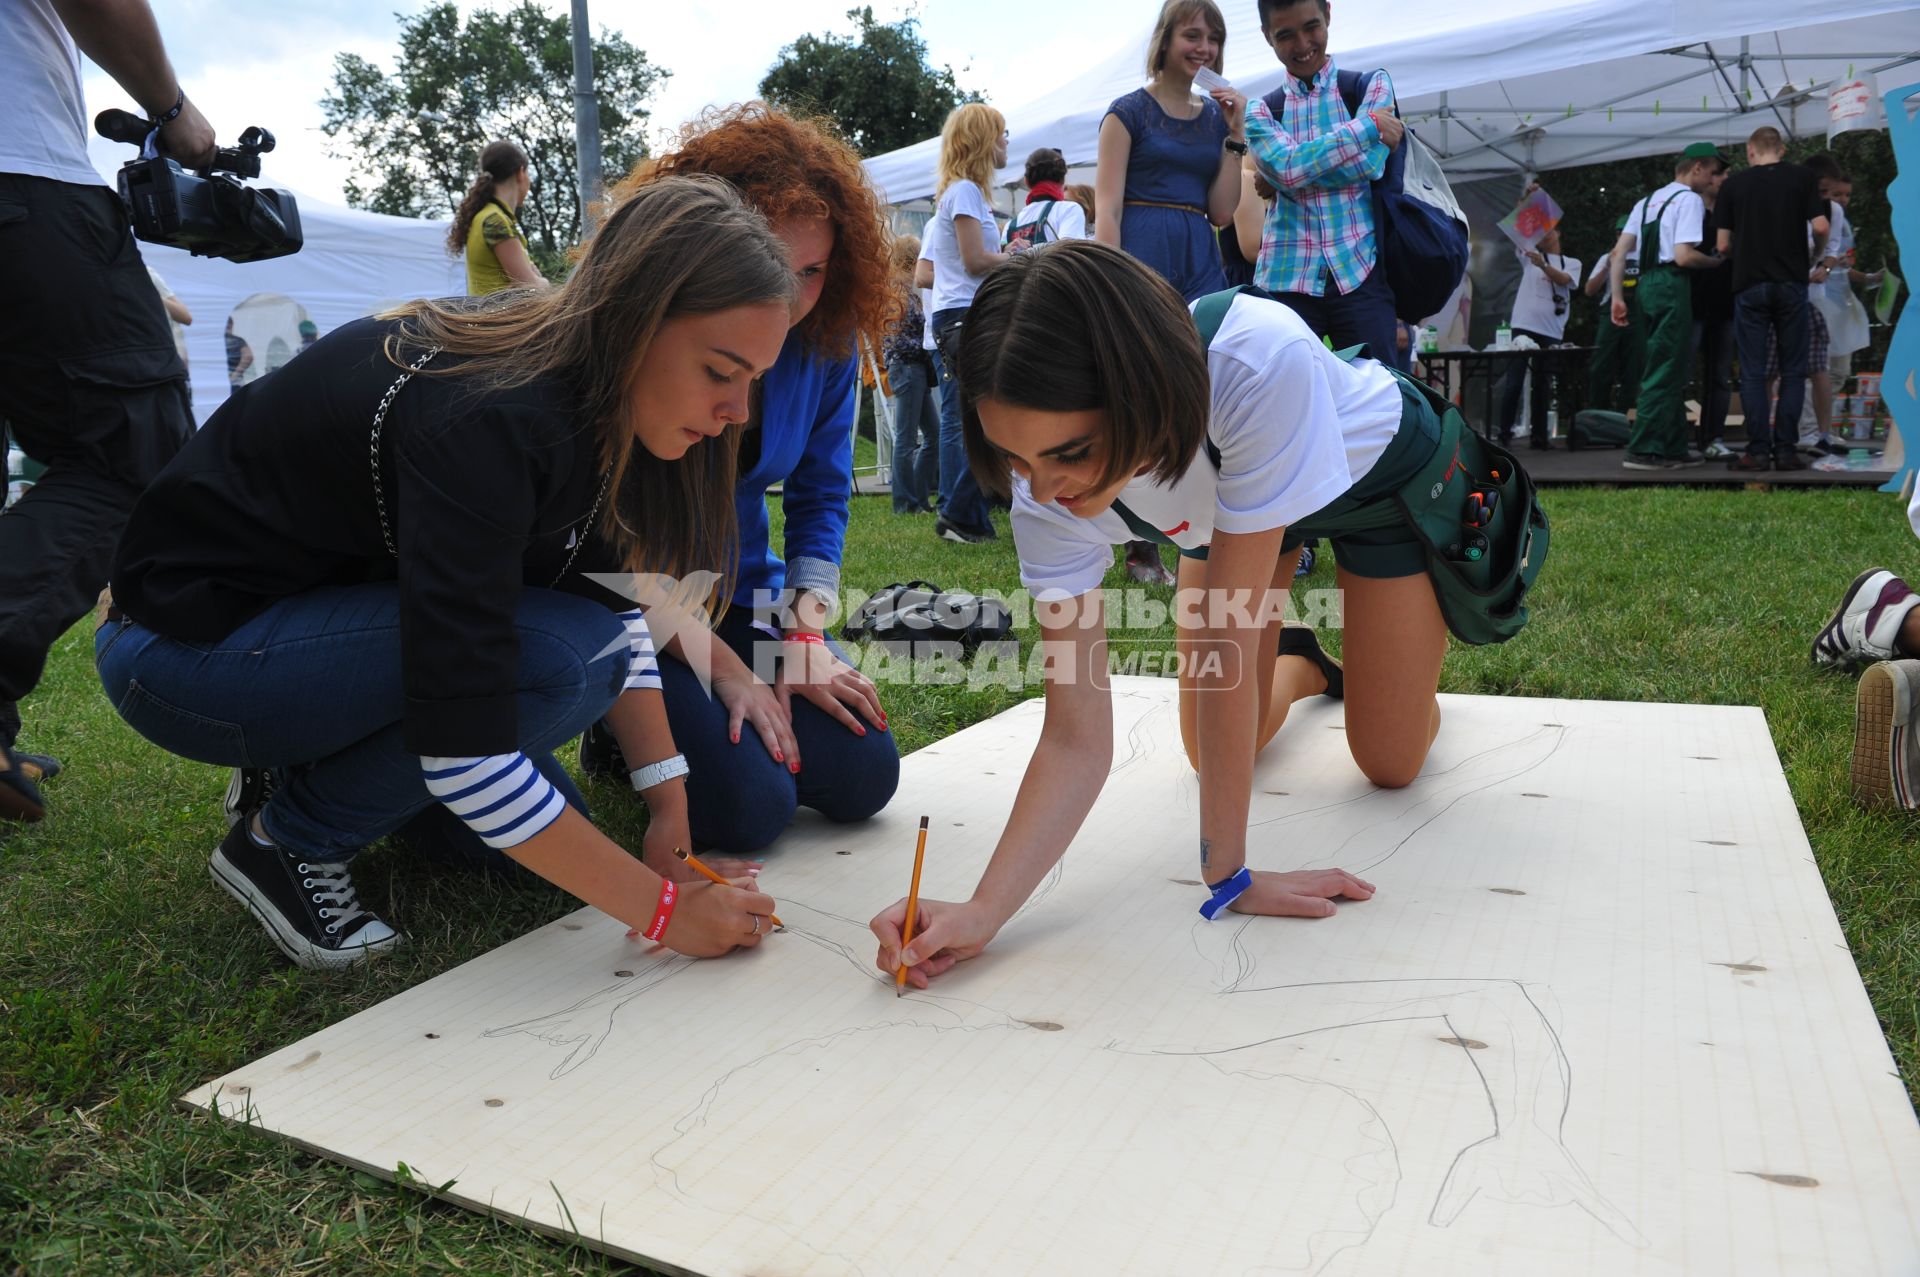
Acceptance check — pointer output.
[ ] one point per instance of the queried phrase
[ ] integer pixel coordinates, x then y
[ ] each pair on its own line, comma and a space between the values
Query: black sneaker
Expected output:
600, 753
954, 532
248, 790
1751, 463
19, 795
309, 908
1789, 461
38, 767
1300, 640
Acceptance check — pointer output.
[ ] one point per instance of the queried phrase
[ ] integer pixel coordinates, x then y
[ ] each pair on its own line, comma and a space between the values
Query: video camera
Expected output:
213, 216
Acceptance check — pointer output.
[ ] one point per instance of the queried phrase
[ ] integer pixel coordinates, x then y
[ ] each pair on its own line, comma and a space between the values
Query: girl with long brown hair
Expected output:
363, 583
819, 735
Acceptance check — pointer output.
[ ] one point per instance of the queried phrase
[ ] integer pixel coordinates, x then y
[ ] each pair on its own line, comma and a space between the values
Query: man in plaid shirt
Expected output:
1318, 252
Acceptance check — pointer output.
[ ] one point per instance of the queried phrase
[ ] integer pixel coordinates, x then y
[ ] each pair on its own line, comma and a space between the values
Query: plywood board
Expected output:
1599, 1019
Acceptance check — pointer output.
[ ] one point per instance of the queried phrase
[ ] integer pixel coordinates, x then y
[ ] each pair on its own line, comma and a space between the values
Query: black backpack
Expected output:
1422, 245
916, 613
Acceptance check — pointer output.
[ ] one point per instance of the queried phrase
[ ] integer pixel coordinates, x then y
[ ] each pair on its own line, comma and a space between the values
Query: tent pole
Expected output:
1446, 113
586, 117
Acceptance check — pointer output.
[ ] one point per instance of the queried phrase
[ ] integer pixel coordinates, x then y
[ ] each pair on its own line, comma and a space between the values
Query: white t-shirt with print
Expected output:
1065, 220
1296, 428
952, 286
46, 128
1682, 220
1534, 306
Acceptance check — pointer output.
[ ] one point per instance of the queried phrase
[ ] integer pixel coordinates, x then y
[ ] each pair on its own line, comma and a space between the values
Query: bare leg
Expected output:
1907, 641
1821, 383
1395, 639
1282, 680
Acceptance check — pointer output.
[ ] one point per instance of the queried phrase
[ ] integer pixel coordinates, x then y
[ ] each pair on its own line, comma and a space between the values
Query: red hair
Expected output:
788, 167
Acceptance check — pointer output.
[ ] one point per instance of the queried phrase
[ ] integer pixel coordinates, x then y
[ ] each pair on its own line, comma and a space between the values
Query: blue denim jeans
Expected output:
1364, 315
1779, 309
961, 501
916, 434
312, 687
1513, 383
738, 798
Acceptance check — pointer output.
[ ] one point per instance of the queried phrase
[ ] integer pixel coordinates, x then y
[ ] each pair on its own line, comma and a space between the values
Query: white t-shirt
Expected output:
1839, 244
952, 286
1296, 428
1065, 219
1534, 306
46, 129
1682, 219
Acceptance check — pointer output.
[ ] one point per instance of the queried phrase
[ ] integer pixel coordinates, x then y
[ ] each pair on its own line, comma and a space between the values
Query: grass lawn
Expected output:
126, 978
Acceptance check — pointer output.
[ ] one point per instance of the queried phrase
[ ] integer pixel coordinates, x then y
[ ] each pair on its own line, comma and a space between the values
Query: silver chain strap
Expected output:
379, 420
379, 489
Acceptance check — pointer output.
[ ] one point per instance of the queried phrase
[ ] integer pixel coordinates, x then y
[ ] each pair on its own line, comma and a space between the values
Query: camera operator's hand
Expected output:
188, 138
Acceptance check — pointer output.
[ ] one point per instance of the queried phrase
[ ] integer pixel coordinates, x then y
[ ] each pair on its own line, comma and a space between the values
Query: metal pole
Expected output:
586, 117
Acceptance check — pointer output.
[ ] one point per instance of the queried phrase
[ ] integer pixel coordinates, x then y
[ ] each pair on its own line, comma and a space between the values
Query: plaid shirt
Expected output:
1321, 221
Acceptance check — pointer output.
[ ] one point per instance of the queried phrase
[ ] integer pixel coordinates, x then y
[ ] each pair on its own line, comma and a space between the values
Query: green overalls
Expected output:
1666, 312
1619, 354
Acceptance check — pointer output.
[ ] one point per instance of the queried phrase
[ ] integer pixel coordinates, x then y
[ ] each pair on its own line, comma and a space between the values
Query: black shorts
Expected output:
88, 370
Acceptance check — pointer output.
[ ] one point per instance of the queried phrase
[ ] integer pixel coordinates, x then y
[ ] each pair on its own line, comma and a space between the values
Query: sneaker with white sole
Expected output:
1717, 450
309, 908
248, 789
1886, 753
1866, 625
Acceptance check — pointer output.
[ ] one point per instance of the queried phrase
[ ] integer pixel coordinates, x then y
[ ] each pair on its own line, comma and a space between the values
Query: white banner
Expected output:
1852, 105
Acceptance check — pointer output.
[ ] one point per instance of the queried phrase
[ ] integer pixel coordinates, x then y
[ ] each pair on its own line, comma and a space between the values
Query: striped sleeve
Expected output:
643, 667
501, 797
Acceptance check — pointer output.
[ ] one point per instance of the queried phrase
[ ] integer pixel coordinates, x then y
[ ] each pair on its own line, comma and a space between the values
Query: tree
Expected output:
877, 83
415, 136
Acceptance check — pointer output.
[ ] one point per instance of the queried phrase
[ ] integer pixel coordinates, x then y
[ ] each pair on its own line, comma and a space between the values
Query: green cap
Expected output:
309, 329
1703, 151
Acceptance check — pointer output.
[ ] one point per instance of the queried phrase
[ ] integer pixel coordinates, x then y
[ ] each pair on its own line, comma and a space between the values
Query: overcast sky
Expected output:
247, 63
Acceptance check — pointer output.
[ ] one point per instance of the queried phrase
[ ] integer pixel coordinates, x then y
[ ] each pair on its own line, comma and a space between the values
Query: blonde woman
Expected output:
962, 246
367, 574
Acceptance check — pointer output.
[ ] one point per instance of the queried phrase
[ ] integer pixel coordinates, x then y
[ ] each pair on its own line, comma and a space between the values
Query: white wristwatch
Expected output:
659, 773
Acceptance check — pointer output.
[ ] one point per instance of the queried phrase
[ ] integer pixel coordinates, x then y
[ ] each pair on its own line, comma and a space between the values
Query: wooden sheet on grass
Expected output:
1599, 1019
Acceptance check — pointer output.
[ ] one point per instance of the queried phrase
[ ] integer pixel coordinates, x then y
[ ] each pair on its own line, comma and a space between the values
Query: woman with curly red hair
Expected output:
822, 736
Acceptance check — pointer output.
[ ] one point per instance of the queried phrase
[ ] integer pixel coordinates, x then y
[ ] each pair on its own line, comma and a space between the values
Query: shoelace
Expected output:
338, 888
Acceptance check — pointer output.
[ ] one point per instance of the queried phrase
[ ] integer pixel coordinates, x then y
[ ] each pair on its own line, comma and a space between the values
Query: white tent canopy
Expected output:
1504, 85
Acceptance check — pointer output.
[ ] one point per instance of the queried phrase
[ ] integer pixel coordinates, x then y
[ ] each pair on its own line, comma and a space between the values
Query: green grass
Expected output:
126, 979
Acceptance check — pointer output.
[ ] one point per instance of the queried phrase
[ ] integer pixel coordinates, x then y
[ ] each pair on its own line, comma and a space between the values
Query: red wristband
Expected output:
663, 912
803, 638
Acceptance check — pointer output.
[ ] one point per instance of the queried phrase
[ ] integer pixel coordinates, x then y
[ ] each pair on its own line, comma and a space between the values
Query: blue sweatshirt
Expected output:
806, 446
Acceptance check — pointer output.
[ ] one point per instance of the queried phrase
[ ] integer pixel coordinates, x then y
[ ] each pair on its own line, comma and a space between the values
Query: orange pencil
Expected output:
913, 902
694, 860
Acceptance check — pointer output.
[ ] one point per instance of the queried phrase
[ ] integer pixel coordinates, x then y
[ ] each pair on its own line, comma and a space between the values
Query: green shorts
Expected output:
1367, 528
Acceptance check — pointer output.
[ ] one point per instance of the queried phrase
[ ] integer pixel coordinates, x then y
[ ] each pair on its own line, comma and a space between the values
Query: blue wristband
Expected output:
1225, 892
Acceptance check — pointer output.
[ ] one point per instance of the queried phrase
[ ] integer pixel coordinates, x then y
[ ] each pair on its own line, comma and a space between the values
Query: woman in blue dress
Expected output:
1169, 174
1169, 160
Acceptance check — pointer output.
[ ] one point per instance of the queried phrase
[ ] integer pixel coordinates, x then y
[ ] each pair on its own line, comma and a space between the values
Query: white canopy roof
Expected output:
1506, 84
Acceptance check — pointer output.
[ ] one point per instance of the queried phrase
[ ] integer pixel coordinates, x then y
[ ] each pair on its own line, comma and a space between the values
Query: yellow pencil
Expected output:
694, 860
913, 902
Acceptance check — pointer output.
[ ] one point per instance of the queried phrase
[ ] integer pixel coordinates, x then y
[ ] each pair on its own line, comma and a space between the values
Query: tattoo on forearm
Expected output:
1206, 846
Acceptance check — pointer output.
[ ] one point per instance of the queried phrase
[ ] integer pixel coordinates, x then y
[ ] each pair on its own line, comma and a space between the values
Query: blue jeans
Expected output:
312, 687
1364, 315
1780, 309
961, 501
916, 434
738, 798
1519, 372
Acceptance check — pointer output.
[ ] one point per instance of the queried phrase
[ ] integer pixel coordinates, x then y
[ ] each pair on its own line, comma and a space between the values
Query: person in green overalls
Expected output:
1663, 234
1618, 353
486, 227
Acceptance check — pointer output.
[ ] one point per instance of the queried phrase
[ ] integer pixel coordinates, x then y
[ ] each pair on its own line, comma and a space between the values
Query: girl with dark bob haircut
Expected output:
365, 583
816, 734
1093, 401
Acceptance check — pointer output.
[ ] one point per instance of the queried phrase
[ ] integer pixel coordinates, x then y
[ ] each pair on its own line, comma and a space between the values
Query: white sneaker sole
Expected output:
1883, 710
286, 937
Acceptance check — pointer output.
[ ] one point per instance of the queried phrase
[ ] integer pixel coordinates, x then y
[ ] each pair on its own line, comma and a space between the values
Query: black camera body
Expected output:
217, 215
